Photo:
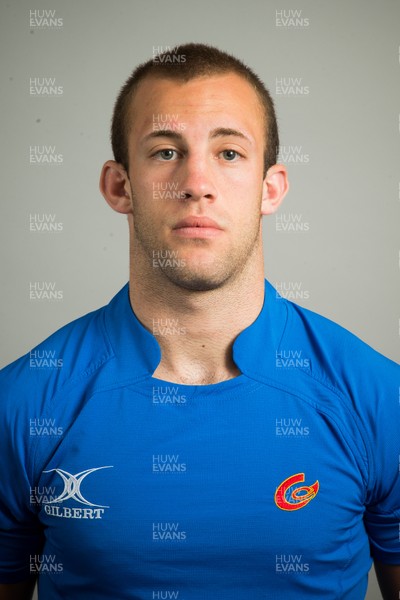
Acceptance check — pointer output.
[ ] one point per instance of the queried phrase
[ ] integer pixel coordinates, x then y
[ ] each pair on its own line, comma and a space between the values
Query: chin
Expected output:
197, 282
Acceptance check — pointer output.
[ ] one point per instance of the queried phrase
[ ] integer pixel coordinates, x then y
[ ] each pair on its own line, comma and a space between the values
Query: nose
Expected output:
197, 179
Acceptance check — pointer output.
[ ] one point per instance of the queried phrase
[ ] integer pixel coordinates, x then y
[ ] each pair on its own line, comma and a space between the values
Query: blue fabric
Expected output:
279, 483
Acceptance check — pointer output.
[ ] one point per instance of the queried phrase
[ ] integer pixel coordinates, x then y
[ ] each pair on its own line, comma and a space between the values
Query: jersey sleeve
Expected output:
20, 533
369, 387
381, 418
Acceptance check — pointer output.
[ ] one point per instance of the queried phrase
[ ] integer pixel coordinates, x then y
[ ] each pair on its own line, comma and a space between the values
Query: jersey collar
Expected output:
138, 352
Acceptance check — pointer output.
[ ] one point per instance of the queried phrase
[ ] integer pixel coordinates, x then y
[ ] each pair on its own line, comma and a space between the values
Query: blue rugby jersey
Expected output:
279, 483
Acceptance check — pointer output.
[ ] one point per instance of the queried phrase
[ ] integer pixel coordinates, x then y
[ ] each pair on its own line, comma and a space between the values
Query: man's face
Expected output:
196, 152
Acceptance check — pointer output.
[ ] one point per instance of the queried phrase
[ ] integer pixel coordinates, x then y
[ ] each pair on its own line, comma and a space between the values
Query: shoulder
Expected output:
70, 354
337, 356
355, 384
347, 375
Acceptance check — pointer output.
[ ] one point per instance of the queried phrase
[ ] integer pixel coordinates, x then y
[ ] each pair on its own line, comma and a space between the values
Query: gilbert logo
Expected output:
72, 490
293, 499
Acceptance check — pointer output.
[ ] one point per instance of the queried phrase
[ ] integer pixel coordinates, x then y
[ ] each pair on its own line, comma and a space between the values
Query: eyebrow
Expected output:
215, 133
227, 131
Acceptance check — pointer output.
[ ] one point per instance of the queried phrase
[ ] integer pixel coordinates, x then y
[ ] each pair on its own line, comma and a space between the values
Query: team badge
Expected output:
288, 497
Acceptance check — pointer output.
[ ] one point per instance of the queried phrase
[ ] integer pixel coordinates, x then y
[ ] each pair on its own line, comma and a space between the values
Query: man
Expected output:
192, 456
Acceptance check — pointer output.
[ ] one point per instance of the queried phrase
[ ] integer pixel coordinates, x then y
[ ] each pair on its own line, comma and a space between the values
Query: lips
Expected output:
197, 228
200, 222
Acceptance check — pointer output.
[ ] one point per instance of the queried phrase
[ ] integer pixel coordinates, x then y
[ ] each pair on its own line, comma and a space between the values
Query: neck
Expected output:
196, 330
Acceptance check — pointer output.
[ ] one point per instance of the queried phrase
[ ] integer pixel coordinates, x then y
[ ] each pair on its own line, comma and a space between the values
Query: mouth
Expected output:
197, 227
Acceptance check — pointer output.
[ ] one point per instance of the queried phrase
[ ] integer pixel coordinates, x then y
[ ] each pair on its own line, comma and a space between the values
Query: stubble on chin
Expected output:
191, 276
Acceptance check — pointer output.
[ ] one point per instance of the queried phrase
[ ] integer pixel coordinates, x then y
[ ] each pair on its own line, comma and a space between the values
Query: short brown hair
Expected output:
183, 63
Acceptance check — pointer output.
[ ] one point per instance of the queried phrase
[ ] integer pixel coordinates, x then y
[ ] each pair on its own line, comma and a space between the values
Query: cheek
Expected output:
153, 187
143, 190
245, 192
248, 175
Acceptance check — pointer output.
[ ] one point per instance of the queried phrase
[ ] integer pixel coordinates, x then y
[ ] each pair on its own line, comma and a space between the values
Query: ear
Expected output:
275, 188
115, 187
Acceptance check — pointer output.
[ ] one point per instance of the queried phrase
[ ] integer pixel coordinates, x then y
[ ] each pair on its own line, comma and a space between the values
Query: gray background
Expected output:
344, 173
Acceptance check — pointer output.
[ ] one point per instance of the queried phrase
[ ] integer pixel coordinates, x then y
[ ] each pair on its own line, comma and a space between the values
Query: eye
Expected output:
230, 155
166, 155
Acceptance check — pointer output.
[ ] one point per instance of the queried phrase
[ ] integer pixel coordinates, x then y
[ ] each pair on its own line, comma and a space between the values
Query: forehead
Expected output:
226, 99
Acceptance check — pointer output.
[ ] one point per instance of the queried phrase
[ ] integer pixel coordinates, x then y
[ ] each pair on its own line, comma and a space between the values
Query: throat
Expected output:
195, 375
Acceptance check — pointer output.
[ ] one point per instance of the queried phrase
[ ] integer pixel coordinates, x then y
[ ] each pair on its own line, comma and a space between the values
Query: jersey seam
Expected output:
393, 513
328, 413
112, 386
68, 383
371, 467
143, 377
